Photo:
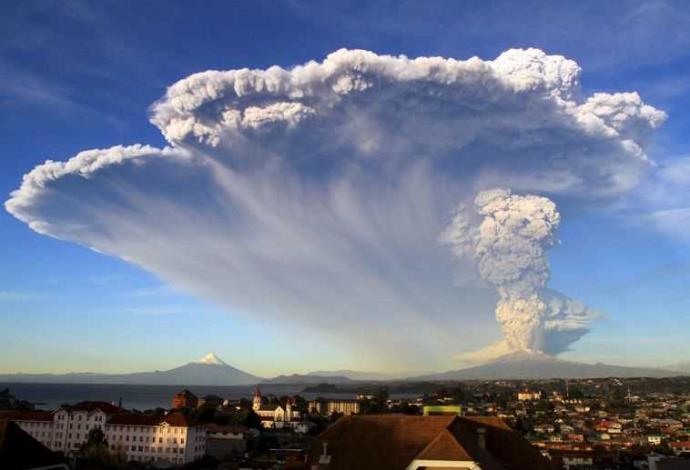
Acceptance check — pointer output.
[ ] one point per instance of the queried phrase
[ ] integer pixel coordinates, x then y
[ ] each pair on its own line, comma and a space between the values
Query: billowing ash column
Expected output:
507, 236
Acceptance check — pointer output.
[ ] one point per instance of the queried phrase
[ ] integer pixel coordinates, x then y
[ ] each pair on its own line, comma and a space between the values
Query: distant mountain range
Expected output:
682, 367
526, 365
210, 370
308, 379
355, 375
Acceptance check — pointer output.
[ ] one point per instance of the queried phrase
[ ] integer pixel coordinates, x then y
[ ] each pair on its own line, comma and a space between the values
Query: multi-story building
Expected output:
66, 428
146, 438
168, 438
329, 407
185, 399
528, 396
224, 441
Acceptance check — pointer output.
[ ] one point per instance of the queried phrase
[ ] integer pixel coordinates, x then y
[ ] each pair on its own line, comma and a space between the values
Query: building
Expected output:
442, 410
212, 401
275, 416
66, 428
528, 396
184, 399
679, 448
20, 451
403, 442
329, 407
169, 438
224, 441
173, 438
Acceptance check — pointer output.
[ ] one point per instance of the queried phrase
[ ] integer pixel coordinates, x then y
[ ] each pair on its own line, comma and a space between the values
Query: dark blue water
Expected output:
141, 397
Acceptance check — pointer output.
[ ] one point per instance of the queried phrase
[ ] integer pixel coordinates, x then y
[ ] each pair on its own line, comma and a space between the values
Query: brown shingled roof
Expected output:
392, 442
383, 442
444, 447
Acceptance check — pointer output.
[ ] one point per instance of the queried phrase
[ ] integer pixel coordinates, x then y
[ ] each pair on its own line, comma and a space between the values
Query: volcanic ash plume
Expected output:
507, 236
312, 197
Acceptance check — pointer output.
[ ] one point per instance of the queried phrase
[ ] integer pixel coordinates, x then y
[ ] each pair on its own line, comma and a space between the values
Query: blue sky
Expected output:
82, 75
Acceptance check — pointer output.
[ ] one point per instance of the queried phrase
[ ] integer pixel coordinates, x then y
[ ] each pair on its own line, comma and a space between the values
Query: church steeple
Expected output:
256, 399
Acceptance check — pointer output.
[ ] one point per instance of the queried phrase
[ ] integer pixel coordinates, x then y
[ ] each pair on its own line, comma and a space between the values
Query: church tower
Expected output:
256, 399
288, 410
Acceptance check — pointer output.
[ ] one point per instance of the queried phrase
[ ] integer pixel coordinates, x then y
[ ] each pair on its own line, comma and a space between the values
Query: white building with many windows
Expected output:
171, 438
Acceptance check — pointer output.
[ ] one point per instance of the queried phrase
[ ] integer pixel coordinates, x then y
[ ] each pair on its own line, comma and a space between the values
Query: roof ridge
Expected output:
445, 446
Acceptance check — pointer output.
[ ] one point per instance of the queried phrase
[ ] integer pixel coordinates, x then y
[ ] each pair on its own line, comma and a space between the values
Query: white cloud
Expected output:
13, 296
314, 197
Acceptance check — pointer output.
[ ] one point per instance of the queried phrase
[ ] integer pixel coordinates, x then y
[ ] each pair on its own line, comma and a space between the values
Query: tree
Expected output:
206, 414
96, 453
377, 404
301, 404
252, 420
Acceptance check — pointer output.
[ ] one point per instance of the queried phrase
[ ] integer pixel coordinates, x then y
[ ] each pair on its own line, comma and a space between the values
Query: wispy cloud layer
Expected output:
316, 196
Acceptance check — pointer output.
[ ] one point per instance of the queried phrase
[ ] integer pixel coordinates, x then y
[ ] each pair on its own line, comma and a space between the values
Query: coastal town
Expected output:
592, 424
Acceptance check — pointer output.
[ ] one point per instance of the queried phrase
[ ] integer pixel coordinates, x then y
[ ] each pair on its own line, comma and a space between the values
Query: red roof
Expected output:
29, 415
185, 394
392, 442
175, 418
680, 444
90, 406
136, 419
444, 447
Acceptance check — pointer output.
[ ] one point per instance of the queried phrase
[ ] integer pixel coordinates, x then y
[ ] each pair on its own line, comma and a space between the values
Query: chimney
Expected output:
481, 438
324, 458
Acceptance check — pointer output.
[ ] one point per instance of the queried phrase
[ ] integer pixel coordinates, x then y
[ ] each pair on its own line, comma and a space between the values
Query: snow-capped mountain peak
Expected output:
210, 358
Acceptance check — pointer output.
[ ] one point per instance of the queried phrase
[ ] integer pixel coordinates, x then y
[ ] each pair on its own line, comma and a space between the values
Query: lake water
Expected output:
145, 397
142, 397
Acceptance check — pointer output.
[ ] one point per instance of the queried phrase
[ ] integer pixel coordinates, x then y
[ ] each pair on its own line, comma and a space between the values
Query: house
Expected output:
682, 447
405, 442
185, 399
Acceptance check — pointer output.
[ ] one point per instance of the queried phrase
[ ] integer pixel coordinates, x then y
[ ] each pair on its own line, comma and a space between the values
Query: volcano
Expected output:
537, 365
